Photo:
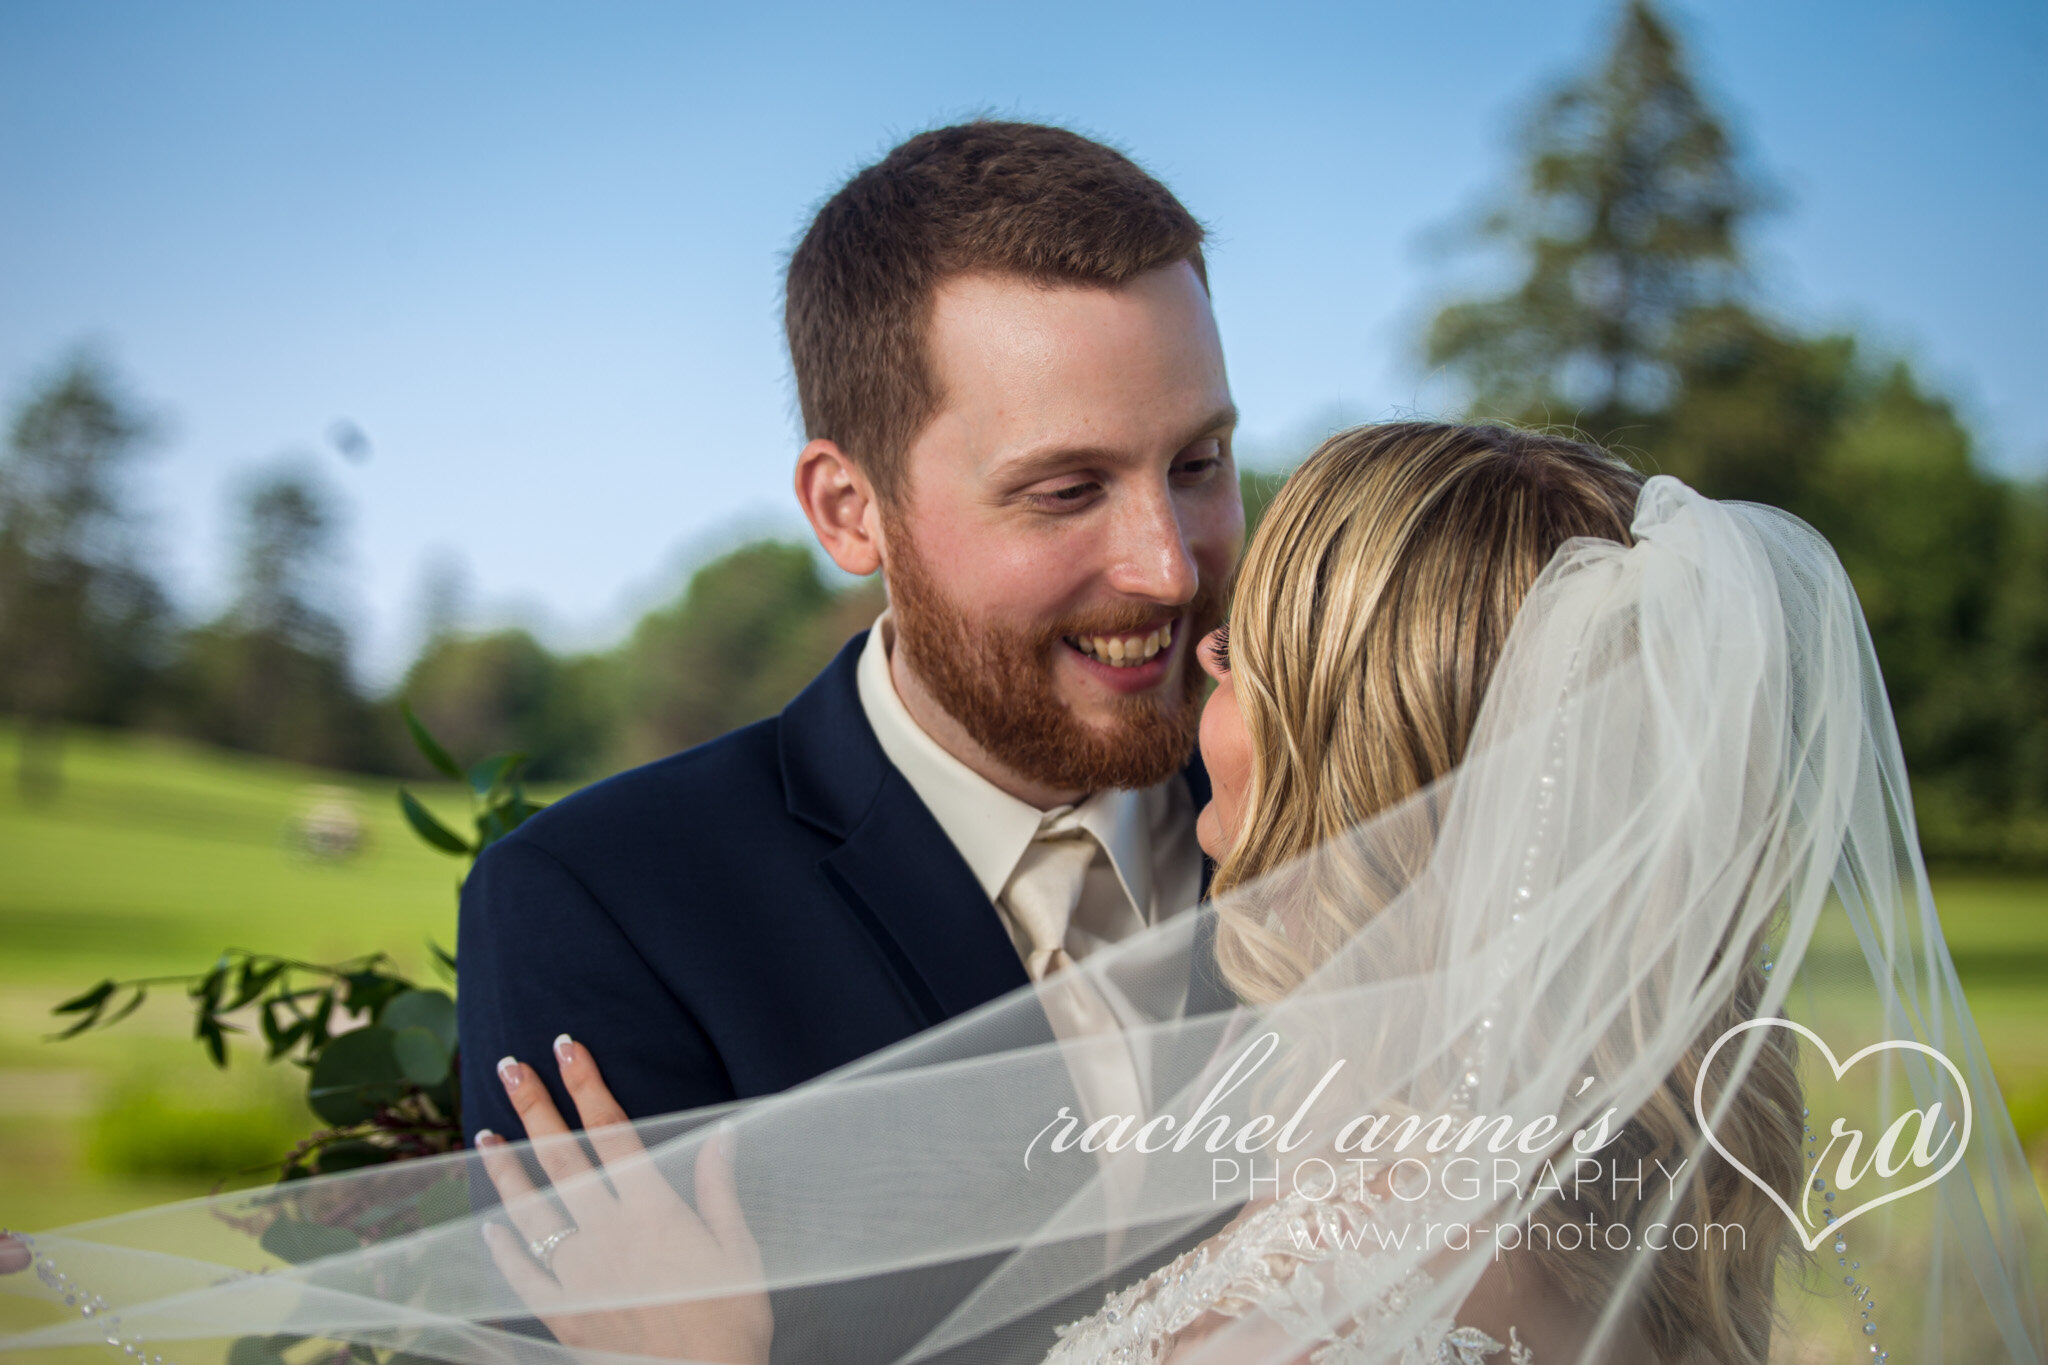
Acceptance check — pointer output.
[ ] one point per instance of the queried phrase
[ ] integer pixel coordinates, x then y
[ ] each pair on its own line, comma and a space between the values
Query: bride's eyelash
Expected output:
1219, 648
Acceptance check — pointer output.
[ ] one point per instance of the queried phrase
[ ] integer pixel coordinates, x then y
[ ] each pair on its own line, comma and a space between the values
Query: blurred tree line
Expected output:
88, 634
1633, 318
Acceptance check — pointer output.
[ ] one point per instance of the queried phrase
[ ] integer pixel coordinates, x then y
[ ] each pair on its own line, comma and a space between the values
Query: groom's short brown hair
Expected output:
1004, 198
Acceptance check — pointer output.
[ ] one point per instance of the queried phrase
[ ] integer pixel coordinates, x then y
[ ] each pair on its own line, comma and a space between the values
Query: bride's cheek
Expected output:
1209, 833
1226, 753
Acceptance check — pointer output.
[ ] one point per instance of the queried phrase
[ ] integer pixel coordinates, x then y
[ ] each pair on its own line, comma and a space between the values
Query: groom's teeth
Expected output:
1120, 651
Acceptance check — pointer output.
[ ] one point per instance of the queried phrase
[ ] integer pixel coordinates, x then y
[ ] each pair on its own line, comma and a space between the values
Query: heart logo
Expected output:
1899, 1045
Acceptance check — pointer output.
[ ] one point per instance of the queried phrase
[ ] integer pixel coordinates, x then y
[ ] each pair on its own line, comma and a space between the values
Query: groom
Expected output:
1016, 409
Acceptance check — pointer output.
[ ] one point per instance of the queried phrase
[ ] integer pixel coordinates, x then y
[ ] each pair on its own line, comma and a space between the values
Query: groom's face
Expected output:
1068, 521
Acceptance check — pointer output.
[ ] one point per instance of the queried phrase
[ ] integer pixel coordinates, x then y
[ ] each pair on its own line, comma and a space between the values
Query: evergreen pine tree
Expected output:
1627, 220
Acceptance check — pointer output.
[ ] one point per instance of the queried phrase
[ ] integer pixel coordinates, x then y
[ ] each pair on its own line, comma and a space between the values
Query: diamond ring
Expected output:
544, 1250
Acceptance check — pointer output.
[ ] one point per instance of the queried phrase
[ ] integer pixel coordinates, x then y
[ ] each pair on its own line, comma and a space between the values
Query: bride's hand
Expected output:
639, 1235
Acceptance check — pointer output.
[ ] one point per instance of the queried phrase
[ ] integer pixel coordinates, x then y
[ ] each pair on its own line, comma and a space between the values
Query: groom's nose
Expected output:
1149, 552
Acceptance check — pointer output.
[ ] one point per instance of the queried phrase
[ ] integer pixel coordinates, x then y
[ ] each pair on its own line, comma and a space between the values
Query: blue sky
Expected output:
533, 251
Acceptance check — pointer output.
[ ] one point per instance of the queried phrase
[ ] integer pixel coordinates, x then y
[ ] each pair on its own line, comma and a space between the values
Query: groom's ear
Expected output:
841, 505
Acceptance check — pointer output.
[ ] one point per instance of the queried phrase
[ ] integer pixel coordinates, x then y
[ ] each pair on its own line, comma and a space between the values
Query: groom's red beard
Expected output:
998, 682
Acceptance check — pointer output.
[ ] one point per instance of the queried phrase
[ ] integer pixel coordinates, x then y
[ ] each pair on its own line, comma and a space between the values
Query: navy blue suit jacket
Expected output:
733, 921
727, 922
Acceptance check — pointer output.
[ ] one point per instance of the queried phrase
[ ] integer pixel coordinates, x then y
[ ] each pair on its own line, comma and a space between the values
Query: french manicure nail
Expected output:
508, 1072
563, 1042
486, 1138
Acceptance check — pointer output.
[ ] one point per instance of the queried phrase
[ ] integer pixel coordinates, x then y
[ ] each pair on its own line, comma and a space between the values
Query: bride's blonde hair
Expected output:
1370, 611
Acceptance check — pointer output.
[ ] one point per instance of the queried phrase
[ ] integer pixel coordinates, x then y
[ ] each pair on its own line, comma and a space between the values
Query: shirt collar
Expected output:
1119, 821
990, 827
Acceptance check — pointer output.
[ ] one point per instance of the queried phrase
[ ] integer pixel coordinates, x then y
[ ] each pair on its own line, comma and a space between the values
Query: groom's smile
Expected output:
1128, 663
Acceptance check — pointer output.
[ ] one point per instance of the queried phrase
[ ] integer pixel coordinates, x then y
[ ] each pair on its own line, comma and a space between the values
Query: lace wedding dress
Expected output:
1307, 1264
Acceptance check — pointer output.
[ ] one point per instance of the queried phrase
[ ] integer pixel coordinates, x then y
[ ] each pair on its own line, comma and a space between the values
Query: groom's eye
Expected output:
1067, 497
1199, 461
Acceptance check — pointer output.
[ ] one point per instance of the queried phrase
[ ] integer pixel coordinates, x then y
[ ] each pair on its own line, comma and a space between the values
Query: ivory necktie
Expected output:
1042, 896
1045, 889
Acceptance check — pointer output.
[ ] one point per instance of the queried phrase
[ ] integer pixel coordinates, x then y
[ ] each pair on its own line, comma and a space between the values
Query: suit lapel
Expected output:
899, 868
898, 873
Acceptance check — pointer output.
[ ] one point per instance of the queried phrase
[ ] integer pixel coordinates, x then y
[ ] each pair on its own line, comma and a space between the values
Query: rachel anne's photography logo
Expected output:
1471, 1158
1915, 1139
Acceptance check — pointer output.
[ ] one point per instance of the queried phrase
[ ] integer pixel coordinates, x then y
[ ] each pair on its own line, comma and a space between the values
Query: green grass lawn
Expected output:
157, 854
154, 856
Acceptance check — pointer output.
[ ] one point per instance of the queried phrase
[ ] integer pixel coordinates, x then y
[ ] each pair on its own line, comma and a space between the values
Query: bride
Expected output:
1538, 789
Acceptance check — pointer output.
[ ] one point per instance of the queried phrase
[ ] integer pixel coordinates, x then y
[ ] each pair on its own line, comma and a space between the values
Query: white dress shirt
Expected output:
1152, 867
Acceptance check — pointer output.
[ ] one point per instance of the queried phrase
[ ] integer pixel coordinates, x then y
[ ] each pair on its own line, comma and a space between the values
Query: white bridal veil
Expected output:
1683, 827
